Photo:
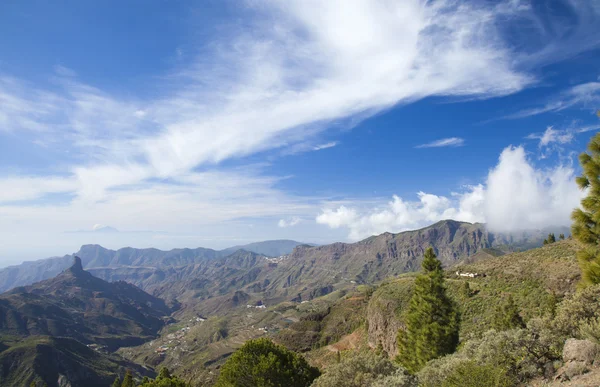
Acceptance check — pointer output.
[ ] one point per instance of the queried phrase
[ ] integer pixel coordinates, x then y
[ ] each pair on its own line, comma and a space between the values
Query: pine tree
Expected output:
432, 321
561, 237
164, 373
586, 220
128, 380
551, 238
117, 382
507, 316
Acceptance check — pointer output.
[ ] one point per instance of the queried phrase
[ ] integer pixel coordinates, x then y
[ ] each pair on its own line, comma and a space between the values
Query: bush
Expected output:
164, 379
437, 371
506, 316
362, 369
579, 310
458, 371
400, 378
520, 353
262, 363
470, 374
590, 330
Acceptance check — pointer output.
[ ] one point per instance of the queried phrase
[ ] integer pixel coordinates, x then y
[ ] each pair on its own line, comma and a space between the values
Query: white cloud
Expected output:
588, 128
551, 136
400, 215
336, 218
585, 95
519, 196
444, 142
326, 145
174, 205
555, 140
306, 65
293, 221
21, 188
516, 196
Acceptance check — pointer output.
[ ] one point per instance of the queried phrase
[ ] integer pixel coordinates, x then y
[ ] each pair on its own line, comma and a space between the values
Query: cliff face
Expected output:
384, 314
376, 258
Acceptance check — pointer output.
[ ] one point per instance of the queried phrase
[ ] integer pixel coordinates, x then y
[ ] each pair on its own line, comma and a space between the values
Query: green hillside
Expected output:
57, 360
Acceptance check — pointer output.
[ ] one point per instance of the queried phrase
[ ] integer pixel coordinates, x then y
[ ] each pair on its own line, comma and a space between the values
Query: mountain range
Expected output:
148, 267
95, 256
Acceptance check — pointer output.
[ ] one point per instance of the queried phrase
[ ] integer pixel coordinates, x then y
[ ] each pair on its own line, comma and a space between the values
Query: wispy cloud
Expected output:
551, 135
326, 145
282, 88
586, 95
293, 221
444, 142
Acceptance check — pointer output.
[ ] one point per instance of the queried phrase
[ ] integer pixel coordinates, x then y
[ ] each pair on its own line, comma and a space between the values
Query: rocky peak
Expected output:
77, 267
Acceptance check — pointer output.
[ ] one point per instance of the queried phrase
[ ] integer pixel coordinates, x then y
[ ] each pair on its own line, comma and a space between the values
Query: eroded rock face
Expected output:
383, 329
383, 314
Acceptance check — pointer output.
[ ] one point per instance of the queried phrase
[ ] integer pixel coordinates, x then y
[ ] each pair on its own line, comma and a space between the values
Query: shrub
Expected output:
518, 351
520, 354
590, 329
400, 378
506, 316
262, 363
576, 311
437, 371
164, 379
359, 370
470, 374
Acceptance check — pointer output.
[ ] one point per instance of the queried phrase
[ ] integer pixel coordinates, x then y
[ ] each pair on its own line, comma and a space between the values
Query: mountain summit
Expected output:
78, 305
77, 267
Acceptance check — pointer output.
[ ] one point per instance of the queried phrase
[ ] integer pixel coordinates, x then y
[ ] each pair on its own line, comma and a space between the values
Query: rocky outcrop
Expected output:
578, 357
583, 351
383, 329
384, 314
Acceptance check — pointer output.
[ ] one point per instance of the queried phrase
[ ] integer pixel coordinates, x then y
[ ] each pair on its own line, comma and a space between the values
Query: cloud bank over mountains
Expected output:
515, 196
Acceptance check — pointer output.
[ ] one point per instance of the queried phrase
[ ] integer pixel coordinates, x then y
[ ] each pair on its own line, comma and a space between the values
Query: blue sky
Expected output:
184, 124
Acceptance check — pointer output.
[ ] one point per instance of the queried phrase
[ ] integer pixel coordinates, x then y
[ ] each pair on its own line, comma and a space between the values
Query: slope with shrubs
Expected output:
536, 280
515, 321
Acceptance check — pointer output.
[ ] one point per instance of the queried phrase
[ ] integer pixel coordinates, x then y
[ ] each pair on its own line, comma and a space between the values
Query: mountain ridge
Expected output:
147, 267
97, 256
